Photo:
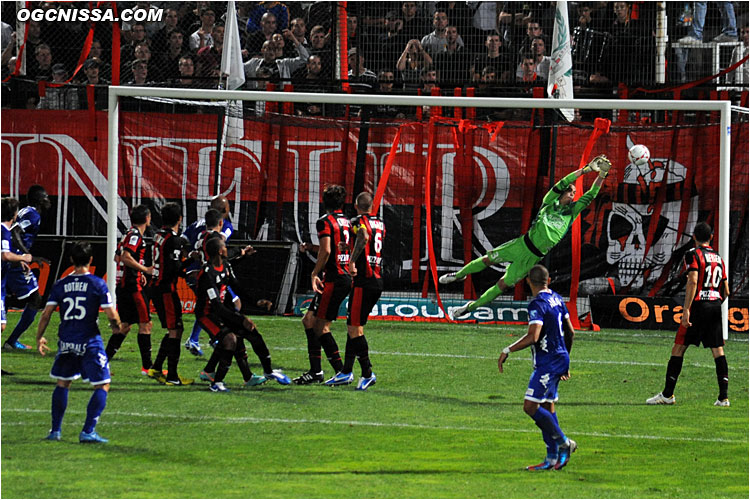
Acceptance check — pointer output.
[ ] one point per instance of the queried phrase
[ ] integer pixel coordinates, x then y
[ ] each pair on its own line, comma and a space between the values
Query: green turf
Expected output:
440, 423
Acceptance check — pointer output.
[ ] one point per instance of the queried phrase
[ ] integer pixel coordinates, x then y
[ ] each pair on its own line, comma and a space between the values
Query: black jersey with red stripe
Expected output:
127, 277
212, 290
203, 238
711, 272
369, 263
339, 229
166, 253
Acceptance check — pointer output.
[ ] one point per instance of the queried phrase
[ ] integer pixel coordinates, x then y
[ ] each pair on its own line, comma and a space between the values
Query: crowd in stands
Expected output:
404, 47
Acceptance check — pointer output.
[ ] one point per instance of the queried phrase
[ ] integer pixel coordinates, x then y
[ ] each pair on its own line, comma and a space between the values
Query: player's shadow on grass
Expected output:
430, 398
386, 472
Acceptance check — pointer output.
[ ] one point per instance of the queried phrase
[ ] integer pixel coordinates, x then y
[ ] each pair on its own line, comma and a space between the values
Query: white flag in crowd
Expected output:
231, 65
560, 80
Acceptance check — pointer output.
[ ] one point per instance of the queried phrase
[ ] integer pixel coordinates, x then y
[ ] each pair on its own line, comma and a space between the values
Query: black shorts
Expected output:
326, 305
169, 309
217, 328
132, 307
361, 301
706, 320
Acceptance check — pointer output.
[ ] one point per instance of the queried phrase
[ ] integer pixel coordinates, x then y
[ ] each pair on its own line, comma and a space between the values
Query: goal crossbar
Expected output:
115, 92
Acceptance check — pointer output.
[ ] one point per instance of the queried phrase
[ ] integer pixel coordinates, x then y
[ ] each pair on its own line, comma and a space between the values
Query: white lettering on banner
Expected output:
85, 15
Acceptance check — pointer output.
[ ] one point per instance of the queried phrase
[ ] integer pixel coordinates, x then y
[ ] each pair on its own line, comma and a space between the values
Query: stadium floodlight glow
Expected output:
116, 92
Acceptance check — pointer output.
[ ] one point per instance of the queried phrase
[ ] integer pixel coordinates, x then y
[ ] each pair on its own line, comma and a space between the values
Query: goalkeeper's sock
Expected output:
674, 367
722, 375
474, 266
487, 297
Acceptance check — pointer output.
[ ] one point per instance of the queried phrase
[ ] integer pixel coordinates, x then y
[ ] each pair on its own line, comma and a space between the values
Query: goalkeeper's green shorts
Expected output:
521, 259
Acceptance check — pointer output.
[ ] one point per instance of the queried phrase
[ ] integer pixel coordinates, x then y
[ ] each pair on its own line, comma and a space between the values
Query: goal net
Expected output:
454, 177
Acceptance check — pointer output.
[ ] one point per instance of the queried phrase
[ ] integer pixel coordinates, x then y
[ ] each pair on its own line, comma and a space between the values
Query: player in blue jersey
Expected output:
550, 336
9, 212
21, 282
192, 234
80, 348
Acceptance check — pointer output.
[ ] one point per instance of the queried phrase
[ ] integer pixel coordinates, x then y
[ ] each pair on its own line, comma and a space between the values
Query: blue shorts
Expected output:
87, 361
2, 310
21, 284
543, 384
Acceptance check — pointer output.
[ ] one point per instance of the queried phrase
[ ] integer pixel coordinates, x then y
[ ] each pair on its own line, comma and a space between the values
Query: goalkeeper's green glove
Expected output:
604, 165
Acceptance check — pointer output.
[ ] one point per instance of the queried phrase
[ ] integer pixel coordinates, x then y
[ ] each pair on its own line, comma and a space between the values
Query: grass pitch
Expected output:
440, 423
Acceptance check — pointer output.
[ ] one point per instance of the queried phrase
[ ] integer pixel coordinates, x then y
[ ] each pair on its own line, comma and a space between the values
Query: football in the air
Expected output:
639, 155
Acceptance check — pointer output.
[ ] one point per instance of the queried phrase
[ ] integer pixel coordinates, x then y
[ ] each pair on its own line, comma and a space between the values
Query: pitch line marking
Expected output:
469, 356
190, 419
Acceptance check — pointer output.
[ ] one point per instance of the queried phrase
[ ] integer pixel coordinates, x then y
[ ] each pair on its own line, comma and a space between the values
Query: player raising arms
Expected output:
169, 265
220, 204
555, 217
550, 336
334, 234
131, 301
365, 265
226, 325
706, 289
80, 350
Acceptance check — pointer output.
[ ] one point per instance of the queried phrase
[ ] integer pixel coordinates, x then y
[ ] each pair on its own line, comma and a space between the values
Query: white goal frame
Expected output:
115, 92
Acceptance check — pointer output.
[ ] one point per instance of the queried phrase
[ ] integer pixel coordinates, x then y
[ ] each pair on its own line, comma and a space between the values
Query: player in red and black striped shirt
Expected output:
334, 234
365, 265
169, 265
131, 301
702, 320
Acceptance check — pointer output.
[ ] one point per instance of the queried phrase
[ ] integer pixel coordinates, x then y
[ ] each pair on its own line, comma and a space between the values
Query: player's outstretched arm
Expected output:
535, 329
41, 342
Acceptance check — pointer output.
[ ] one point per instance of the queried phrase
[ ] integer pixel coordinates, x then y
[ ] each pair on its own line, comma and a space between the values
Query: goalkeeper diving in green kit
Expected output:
555, 217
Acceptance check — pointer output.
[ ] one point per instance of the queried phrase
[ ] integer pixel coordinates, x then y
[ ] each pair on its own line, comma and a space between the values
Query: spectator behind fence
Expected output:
151, 27
412, 63
139, 74
361, 79
160, 40
202, 36
533, 30
436, 41
127, 51
391, 42
186, 68
495, 55
256, 39
415, 25
63, 97
92, 77
319, 46
169, 61
208, 59
627, 49
278, 10
728, 23
452, 65
41, 68
280, 70
6, 30
483, 23
740, 75
105, 69
526, 71
386, 79
352, 24
299, 28
33, 38
310, 80
586, 17
542, 60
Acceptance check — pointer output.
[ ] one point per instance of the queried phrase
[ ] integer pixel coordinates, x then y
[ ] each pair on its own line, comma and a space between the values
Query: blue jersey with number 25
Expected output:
548, 309
79, 297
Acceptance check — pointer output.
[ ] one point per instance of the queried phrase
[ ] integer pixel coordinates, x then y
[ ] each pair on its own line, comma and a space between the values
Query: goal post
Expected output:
723, 108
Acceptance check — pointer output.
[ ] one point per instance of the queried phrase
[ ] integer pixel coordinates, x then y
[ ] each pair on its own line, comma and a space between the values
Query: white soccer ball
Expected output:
639, 155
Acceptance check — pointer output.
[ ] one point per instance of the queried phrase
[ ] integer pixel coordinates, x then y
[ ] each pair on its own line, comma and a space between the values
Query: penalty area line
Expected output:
192, 419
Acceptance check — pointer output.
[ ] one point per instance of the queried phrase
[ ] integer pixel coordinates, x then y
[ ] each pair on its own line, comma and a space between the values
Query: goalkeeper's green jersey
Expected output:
553, 219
